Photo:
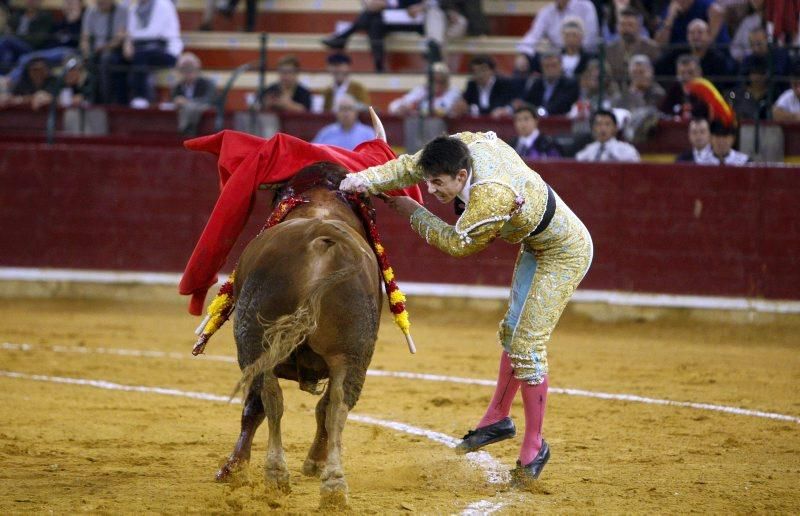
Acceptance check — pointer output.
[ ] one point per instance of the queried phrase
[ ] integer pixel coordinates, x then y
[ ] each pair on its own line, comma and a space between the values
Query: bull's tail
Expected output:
287, 332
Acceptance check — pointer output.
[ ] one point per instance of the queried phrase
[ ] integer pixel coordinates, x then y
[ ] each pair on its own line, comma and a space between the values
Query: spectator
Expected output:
287, 94
76, 88
487, 92
347, 132
573, 57
590, 96
722, 152
714, 63
787, 107
30, 30
37, 86
554, 92
102, 33
416, 101
630, 43
740, 45
339, 67
610, 15
193, 95
547, 25
777, 57
749, 101
679, 13
643, 91
606, 147
153, 40
530, 143
471, 11
378, 20
678, 103
700, 140
63, 40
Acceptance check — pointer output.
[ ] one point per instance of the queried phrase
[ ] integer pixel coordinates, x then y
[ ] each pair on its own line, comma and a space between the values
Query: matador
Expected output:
501, 197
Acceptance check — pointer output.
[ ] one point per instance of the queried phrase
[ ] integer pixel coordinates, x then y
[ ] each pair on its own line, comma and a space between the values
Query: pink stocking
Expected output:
534, 399
504, 393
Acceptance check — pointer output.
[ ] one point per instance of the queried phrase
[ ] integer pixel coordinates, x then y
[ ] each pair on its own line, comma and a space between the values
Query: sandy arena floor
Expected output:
70, 447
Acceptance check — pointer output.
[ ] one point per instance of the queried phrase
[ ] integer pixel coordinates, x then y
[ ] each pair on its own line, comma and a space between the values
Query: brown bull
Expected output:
308, 299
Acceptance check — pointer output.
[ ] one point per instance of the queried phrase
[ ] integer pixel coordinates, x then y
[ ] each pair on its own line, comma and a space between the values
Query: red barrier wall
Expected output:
656, 228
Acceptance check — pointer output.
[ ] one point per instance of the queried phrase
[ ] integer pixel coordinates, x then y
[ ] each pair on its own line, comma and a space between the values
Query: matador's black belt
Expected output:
549, 211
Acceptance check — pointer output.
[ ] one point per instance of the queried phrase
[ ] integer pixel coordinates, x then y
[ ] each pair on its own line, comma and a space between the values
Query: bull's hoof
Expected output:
333, 493
234, 471
276, 479
313, 468
333, 496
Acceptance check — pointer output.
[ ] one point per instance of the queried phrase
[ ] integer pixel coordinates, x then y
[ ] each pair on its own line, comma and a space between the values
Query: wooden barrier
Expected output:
656, 228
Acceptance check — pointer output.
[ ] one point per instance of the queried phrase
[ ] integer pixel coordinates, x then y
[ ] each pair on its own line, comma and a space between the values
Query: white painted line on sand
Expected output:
411, 288
495, 472
633, 398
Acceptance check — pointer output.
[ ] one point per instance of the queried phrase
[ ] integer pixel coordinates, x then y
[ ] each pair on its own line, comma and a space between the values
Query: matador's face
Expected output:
445, 187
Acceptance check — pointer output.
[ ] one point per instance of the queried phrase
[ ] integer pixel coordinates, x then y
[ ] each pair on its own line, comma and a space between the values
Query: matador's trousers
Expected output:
549, 268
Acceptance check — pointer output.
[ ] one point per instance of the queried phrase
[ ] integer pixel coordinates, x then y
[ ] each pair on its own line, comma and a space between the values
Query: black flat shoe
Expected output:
523, 474
335, 42
480, 437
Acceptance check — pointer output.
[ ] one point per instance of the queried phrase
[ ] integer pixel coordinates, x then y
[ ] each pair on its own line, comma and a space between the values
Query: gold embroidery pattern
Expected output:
563, 253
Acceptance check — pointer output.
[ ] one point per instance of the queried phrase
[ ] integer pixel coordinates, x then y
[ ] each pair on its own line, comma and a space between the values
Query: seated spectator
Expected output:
677, 102
29, 29
530, 143
193, 94
722, 152
554, 92
700, 140
547, 25
102, 33
378, 19
740, 45
591, 97
76, 88
153, 41
610, 13
749, 101
630, 43
606, 147
37, 86
714, 63
339, 68
63, 40
573, 56
487, 92
679, 13
787, 107
777, 57
287, 94
416, 101
347, 132
642, 91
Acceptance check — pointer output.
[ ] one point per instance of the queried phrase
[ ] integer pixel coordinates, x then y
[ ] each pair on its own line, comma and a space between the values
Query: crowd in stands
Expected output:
614, 67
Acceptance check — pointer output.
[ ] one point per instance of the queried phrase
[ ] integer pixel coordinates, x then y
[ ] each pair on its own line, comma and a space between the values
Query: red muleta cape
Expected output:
246, 161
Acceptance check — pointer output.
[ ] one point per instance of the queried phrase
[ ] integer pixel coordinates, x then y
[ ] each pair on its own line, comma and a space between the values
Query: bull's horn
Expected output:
380, 133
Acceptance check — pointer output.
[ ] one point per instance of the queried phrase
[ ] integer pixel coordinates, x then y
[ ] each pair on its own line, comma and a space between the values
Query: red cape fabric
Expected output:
246, 161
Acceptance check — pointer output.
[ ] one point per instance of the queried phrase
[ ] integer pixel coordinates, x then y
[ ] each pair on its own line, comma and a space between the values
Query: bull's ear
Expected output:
380, 133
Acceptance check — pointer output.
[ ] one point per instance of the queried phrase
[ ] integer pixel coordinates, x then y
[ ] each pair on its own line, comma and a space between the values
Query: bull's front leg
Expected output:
276, 474
333, 493
252, 417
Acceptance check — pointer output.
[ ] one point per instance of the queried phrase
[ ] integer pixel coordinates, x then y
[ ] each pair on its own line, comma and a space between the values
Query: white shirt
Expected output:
164, 24
485, 92
569, 64
464, 193
702, 154
612, 150
417, 99
547, 24
734, 157
526, 141
339, 90
788, 101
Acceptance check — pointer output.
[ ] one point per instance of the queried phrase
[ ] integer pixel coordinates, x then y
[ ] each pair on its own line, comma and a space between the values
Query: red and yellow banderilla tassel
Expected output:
397, 300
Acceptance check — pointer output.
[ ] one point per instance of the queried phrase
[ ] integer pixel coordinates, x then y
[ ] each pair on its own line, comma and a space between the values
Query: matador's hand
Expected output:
353, 183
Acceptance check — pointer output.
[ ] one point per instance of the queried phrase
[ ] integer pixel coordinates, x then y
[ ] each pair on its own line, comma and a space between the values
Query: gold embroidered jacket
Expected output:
507, 199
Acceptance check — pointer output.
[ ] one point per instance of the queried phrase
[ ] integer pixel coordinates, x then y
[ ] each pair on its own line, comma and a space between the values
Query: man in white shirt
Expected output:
722, 152
416, 100
787, 107
606, 147
699, 138
547, 24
